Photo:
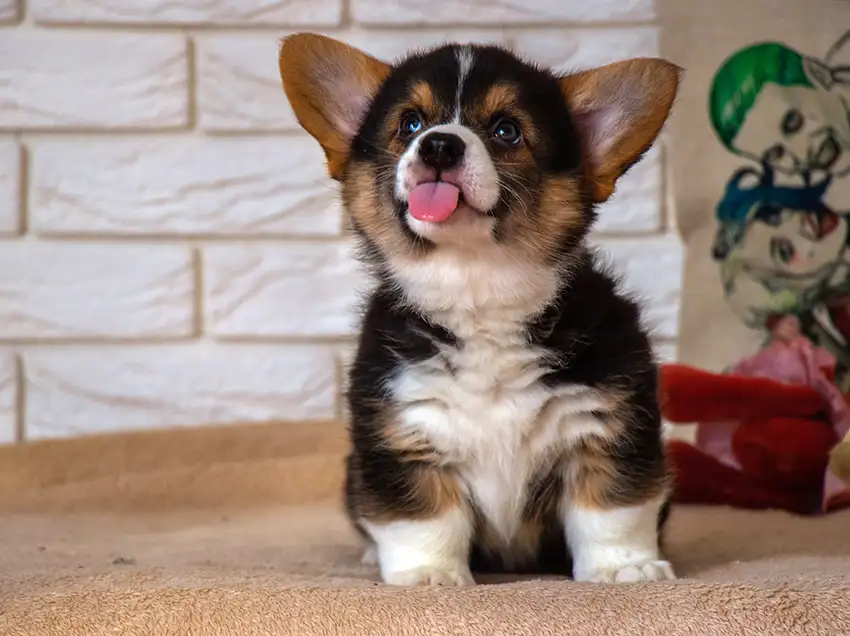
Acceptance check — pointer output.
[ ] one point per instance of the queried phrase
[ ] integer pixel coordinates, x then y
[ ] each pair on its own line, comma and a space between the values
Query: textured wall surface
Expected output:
172, 252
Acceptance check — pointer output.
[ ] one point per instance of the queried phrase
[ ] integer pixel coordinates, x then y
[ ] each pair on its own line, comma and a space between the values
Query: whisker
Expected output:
520, 183
380, 149
515, 195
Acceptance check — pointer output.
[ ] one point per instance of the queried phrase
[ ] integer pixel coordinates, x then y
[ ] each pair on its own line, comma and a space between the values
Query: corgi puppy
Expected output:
502, 401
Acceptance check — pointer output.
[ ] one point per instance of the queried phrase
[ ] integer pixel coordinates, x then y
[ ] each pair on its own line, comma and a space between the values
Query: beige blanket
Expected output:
237, 531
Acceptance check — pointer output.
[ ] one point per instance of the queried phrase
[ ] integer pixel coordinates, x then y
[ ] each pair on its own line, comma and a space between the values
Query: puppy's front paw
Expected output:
432, 576
635, 573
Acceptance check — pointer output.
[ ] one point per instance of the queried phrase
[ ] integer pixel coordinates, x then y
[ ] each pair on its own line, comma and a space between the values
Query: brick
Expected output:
239, 83
652, 270
505, 11
71, 291
92, 80
637, 202
212, 12
10, 10
8, 398
568, 50
10, 186
183, 186
93, 389
295, 289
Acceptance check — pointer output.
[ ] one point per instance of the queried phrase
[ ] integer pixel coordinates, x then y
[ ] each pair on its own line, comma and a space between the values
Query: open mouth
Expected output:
434, 201
822, 225
828, 153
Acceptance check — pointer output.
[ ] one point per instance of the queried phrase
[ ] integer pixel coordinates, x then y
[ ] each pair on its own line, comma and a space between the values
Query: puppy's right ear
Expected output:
330, 86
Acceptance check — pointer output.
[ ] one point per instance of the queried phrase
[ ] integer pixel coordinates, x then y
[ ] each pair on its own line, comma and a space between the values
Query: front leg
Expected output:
417, 517
432, 551
612, 513
616, 545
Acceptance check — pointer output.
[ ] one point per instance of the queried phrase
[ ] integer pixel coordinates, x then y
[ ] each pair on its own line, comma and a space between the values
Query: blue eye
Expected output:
507, 132
410, 124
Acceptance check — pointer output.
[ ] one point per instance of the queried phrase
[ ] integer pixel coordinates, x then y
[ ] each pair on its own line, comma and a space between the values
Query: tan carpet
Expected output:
237, 531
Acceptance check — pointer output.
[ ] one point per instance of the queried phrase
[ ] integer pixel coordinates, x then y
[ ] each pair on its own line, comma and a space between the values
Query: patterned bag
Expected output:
759, 150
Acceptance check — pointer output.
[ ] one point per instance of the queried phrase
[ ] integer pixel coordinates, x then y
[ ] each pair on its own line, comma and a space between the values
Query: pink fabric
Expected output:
792, 359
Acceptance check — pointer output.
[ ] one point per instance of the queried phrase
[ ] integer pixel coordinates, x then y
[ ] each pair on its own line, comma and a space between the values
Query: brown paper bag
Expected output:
759, 149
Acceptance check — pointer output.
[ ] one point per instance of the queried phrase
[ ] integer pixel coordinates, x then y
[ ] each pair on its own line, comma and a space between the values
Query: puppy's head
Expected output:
466, 146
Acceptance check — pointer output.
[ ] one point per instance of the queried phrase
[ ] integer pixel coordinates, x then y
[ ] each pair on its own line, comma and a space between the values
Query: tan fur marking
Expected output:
500, 97
423, 98
594, 478
371, 214
559, 213
594, 481
433, 488
432, 491
645, 88
408, 445
438, 489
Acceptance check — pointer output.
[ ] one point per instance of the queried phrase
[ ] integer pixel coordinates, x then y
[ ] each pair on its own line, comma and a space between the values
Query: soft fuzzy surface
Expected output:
237, 531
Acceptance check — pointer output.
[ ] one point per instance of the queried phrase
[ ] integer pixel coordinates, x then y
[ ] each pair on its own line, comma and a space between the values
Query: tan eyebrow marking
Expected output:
423, 96
499, 97
502, 98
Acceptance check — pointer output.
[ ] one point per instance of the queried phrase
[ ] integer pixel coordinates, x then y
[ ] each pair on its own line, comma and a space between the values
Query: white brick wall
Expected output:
81, 390
182, 185
8, 10
171, 251
10, 186
90, 291
92, 81
8, 398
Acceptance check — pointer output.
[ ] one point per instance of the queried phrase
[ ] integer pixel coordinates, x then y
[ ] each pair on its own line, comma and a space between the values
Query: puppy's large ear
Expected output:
330, 86
618, 110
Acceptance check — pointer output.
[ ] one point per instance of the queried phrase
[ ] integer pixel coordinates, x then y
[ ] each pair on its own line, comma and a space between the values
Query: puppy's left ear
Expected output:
618, 111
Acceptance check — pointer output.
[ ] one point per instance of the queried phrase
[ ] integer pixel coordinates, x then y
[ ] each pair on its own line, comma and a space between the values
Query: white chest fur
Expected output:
485, 410
482, 405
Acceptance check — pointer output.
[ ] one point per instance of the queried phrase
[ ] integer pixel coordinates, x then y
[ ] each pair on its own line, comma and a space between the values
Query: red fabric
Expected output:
701, 479
785, 451
781, 440
691, 395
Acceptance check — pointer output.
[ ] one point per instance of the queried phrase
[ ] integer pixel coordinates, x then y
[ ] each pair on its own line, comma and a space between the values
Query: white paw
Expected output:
432, 576
370, 556
636, 573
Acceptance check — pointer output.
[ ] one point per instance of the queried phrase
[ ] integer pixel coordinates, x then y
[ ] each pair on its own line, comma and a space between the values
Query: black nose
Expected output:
441, 150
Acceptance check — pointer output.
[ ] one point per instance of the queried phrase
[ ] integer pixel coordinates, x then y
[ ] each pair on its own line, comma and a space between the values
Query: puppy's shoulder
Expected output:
595, 330
393, 335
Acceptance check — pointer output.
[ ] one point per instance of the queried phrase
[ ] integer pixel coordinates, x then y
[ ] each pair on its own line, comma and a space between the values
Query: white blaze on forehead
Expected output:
465, 61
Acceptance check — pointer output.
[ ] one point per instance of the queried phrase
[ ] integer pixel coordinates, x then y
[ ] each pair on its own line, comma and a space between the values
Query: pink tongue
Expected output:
434, 201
